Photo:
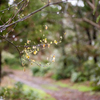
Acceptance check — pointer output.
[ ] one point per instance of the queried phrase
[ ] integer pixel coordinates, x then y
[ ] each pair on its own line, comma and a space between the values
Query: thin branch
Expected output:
3, 27
91, 22
13, 45
15, 14
90, 4
11, 6
29, 15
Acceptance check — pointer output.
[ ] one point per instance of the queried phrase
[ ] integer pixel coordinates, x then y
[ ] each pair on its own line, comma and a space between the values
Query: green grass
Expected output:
50, 87
82, 88
77, 86
41, 93
62, 84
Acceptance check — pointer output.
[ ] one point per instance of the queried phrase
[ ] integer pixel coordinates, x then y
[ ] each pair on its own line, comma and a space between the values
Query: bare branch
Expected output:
11, 6
13, 45
3, 27
91, 22
90, 4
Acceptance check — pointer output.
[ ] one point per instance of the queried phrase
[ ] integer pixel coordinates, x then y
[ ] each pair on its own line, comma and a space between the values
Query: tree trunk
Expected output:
63, 48
0, 65
64, 54
89, 36
94, 37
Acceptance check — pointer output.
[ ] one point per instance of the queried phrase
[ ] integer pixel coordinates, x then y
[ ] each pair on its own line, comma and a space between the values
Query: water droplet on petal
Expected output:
15, 39
57, 12
59, 7
13, 36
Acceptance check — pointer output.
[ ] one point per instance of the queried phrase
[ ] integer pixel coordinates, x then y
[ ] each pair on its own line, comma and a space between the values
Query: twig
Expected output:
91, 22
29, 15
13, 45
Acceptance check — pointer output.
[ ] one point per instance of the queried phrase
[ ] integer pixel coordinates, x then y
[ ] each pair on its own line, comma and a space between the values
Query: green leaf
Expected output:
98, 18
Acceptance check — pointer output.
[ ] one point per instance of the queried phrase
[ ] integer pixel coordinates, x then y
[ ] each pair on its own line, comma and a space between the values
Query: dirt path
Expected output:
49, 86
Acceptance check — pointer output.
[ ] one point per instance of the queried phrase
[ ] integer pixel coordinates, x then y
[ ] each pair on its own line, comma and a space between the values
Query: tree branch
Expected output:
3, 27
90, 4
91, 22
13, 45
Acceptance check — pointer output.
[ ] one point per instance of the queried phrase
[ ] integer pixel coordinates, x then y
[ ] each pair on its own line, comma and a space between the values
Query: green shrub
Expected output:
62, 72
12, 61
95, 79
35, 70
6, 55
17, 93
9, 58
78, 77
74, 76
40, 71
57, 77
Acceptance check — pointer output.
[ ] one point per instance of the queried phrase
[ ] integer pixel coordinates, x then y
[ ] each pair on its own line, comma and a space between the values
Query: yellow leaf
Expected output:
28, 48
55, 41
35, 52
27, 56
45, 40
33, 60
51, 42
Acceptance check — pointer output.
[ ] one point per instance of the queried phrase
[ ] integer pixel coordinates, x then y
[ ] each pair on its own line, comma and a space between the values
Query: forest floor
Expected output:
60, 90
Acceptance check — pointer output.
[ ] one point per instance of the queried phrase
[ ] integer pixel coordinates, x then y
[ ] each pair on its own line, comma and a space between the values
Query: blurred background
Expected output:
70, 66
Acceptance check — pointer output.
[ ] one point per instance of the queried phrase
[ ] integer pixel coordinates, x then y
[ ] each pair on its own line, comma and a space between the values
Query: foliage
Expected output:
82, 88
62, 71
41, 93
80, 39
98, 18
17, 93
39, 71
83, 45
6, 55
61, 84
10, 60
